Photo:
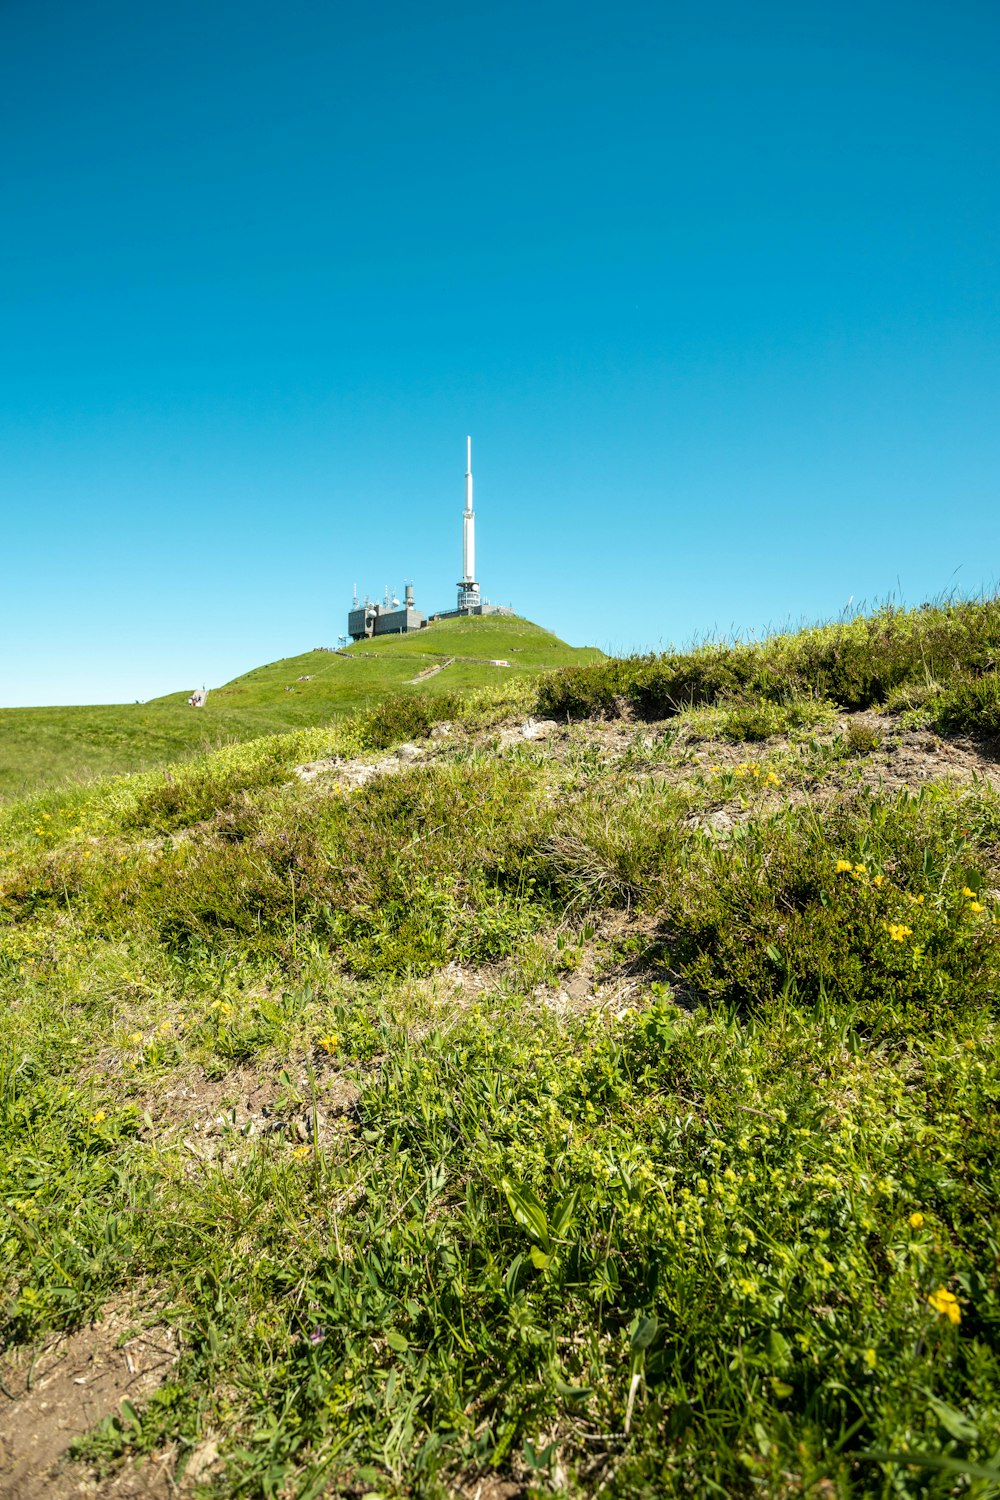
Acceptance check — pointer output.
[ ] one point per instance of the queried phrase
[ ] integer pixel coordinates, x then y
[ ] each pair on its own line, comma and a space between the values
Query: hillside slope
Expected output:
41, 747
605, 1104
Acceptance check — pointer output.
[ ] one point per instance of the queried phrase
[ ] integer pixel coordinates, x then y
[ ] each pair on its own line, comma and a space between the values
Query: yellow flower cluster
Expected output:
752, 769
945, 1304
328, 1043
748, 768
898, 931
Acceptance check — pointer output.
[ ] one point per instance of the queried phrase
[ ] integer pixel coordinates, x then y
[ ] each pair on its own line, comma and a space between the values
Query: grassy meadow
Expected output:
47, 747
611, 1108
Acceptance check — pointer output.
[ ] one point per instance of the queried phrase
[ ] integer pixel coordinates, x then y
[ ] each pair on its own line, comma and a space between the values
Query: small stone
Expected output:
202, 1461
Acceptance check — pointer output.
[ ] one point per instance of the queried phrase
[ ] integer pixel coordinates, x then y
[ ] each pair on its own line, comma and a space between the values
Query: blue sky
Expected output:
714, 288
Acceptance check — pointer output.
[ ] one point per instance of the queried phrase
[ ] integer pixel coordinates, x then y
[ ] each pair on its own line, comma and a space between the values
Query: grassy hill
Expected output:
607, 1106
42, 747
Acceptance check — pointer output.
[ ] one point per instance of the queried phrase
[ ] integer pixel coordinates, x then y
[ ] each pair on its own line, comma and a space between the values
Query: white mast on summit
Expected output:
468, 588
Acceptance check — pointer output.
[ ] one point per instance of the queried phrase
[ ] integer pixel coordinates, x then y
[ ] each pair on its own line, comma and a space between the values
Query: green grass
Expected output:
947, 654
729, 1229
49, 747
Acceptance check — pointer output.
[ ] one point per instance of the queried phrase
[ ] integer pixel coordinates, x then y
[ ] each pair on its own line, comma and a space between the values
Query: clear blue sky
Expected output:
714, 288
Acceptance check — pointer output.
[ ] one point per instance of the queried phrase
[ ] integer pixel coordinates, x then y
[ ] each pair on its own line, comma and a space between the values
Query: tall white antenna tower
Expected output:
468, 589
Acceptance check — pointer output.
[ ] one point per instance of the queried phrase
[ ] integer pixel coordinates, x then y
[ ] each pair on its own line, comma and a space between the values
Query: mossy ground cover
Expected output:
730, 1228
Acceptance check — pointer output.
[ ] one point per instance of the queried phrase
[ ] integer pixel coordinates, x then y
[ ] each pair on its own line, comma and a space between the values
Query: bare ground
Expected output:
215, 1114
906, 757
55, 1393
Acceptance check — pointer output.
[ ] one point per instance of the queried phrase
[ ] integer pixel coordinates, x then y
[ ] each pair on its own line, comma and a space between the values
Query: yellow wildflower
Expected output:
976, 906
136, 1037
328, 1043
945, 1304
301, 1152
898, 931
98, 1118
914, 900
966, 891
916, 1220
878, 879
859, 870
844, 866
870, 1360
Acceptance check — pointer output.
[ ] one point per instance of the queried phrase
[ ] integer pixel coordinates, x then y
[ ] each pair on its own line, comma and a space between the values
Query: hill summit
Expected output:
44, 747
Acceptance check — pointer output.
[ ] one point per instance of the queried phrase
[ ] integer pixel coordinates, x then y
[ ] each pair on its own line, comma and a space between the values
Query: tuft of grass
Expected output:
748, 719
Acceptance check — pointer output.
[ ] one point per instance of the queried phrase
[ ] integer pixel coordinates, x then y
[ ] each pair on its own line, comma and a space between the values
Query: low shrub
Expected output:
873, 907
856, 665
402, 718
969, 705
758, 718
862, 739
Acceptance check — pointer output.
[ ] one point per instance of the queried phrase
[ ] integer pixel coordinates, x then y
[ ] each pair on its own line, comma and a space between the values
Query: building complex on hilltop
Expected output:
368, 617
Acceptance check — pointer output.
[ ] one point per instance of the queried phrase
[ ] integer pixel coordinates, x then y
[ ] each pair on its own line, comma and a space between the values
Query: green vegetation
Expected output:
608, 1112
943, 657
47, 747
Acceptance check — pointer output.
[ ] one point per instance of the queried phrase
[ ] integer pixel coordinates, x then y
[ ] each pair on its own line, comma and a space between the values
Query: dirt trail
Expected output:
54, 1394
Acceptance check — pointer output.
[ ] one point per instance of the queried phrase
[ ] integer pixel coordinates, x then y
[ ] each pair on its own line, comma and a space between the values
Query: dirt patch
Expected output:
216, 1115
915, 757
353, 773
674, 752
489, 1487
599, 981
56, 1393
346, 774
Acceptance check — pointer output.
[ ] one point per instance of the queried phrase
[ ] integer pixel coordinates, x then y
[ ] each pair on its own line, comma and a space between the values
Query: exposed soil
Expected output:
906, 757
489, 1487
594, 983
54, 1394
215, 1115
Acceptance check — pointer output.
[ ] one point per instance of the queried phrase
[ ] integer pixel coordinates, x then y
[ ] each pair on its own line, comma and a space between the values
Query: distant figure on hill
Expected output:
197, 698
